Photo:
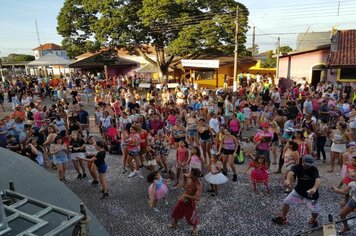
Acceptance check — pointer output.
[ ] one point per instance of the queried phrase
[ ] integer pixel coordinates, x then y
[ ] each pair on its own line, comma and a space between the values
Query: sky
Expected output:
271, 18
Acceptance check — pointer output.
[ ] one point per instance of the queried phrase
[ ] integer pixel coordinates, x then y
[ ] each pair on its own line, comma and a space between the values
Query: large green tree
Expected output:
175, 28
13, 58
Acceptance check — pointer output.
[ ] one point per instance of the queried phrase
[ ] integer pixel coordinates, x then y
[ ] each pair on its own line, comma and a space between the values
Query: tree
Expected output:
285, 49
271, 60
173, 27
249, 51
13, 58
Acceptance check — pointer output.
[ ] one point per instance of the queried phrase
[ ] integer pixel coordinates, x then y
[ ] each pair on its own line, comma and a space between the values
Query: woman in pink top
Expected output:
172, 118
182, 157
234, 125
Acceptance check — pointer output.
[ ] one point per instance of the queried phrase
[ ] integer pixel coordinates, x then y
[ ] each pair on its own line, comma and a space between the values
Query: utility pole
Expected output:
338, 9
253, 42
277, 52
236, 56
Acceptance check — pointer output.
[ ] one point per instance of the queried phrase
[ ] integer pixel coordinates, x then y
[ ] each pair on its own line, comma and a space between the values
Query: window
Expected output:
205, 75
347, 74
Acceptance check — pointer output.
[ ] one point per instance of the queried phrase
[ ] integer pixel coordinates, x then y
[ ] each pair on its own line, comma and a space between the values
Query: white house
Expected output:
50, 48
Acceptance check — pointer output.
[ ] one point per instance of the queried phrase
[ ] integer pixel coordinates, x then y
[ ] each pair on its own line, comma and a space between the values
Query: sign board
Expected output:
144, 85
201, 63
169, 85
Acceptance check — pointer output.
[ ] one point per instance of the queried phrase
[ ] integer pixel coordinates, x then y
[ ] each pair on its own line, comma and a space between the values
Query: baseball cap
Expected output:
308, 160
350, 144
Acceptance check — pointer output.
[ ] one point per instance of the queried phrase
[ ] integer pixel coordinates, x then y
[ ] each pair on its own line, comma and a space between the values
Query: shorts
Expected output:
152, 162
192, 132
134, 153
102, 169
209, 140
177, 140
60, 159
227, 152
264, 153
77, 155
293, 199
351, 203
275, 143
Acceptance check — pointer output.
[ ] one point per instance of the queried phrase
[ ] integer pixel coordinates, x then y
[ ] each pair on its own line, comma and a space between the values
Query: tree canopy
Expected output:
173, 27
271, 61
13, 58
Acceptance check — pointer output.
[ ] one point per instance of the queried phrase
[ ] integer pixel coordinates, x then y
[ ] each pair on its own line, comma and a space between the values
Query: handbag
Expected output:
239, 158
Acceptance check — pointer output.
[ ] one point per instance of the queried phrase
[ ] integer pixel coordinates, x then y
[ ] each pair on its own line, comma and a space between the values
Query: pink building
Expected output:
309, 64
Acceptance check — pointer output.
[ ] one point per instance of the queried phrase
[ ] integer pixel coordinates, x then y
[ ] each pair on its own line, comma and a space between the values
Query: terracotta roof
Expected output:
345, 53
99, 59
48, 46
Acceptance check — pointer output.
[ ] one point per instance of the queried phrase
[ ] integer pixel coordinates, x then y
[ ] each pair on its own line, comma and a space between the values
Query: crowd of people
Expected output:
209, 132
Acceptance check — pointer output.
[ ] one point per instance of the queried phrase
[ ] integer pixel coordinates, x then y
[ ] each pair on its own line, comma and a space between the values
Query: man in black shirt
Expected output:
306, 190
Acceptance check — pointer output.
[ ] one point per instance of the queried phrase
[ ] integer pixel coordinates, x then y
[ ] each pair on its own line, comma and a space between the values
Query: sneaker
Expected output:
156, 209
234, 179
132, 174
79, 176
94, 182
104, 196
139, 174
84, 175
166, 203
124, 171
280, 220
313, 222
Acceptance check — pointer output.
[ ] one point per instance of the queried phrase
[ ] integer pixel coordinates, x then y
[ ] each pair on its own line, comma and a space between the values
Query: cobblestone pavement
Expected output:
235, 211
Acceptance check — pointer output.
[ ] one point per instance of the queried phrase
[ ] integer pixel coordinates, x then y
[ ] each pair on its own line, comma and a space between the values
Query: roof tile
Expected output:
345, 55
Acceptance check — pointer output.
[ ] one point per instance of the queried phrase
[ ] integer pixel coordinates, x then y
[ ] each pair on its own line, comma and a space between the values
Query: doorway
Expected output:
318, 74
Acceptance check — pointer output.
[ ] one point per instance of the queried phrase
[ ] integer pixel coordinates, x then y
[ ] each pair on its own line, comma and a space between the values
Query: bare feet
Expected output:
330, 171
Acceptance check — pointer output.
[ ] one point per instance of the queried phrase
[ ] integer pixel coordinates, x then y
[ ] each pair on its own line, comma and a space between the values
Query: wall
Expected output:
301, 65
60, 53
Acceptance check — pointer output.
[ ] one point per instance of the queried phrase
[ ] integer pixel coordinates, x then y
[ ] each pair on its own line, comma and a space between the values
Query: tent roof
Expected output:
148, 68
103, 58
48, 60
35, 181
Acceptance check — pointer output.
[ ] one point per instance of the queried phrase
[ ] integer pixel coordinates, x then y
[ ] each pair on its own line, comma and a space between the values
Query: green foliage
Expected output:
13, 58
271, 61
285, 49
173, 27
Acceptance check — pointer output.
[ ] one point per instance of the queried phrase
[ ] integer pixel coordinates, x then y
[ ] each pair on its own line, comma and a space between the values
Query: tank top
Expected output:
234, 125
229, 144
159, 183
182, 155
302, 149
205, 135
288, 158
195, 160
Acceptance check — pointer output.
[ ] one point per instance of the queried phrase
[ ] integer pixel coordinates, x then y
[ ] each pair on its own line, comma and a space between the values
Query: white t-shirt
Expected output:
106, 122
247, 112
276, 97
214, 124
60, 124
352, 191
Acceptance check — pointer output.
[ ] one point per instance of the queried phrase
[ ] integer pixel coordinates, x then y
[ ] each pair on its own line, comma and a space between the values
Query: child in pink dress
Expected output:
182, 158
259, 173
157, 189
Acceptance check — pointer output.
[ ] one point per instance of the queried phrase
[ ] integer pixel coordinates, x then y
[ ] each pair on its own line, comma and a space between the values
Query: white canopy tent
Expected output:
51, 60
